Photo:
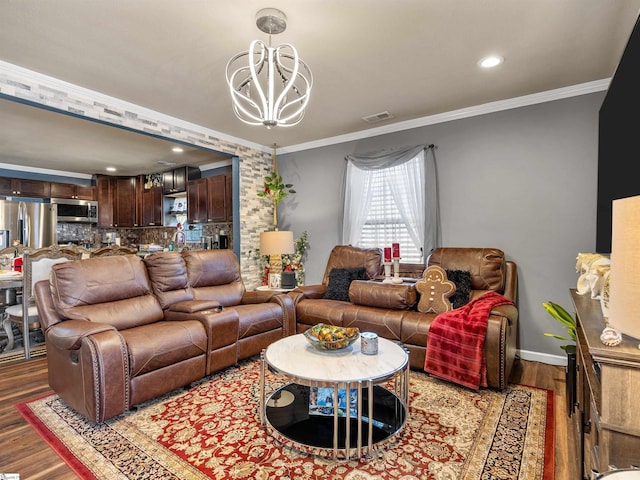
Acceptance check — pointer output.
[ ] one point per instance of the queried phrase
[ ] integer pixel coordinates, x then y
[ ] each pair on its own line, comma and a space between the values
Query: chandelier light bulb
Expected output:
269, 85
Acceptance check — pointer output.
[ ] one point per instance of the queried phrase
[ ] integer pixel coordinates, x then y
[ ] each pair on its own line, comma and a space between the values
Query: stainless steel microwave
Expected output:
78, 211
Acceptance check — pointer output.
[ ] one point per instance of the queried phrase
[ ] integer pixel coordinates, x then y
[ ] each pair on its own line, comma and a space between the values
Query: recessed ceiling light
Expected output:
110, 169
491, 61
177, 149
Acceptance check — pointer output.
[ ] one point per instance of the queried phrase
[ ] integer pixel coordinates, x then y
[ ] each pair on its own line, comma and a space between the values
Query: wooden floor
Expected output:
23, 451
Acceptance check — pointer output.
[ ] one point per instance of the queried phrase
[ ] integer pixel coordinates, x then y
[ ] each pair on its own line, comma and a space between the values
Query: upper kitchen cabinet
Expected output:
104, 191
116, 201
21, 187
70, 190
197, 201
210, 199
149, 203
219, 199
175, 181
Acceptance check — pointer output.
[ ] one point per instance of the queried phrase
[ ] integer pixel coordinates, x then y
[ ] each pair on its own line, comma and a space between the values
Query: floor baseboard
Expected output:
543, 357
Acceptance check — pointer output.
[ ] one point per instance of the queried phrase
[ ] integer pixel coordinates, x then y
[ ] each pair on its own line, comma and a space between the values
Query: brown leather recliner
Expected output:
206, 284
390, 310
108, 346
264, 317
120, 330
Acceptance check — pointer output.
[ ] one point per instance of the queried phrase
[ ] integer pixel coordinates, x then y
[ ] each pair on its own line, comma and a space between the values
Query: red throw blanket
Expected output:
455, 342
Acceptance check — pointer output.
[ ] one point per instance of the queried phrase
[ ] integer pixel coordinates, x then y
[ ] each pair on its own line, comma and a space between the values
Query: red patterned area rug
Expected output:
212, 430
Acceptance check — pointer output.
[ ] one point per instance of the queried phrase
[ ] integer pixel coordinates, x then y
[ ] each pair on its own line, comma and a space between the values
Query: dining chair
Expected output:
36, 266
112, 250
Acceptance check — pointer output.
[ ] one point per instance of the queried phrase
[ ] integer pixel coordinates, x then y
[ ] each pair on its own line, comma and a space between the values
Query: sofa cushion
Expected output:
386, 323
486, 265
340, 280
214, 275
168, 275
383, 295
347, 256
152, 347
113, 290
462, 280
311, 311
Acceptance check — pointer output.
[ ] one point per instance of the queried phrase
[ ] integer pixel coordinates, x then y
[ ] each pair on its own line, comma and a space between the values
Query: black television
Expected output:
618, 132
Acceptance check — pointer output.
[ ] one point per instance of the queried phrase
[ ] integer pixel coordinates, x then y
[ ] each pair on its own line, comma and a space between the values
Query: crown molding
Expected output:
484, 109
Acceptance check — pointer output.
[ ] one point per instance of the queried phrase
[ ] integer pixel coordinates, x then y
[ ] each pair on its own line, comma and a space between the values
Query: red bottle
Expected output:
16, 264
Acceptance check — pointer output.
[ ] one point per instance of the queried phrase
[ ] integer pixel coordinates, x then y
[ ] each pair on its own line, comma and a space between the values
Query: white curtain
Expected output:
419, 183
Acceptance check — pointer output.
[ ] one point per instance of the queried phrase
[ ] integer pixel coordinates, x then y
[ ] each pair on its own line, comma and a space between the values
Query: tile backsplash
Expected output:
91, 236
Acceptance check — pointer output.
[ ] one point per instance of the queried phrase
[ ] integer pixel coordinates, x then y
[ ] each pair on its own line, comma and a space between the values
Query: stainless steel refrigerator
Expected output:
30, 221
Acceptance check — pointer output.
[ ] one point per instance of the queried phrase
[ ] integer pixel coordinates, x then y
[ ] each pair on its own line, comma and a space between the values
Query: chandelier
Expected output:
269, 85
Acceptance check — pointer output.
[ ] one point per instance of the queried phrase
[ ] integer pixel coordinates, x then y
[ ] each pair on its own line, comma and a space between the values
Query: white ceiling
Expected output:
412, 58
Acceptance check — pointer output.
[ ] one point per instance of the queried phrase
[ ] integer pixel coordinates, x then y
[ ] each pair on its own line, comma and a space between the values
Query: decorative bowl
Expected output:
331, 337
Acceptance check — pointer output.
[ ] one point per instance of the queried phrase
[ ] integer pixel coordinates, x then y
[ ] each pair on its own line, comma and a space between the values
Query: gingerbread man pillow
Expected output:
435, 290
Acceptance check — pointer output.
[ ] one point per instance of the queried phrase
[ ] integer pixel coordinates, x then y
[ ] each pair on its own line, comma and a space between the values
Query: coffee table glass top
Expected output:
298, 359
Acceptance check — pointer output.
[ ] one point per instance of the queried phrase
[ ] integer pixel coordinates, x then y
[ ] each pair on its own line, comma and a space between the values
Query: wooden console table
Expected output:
606, 414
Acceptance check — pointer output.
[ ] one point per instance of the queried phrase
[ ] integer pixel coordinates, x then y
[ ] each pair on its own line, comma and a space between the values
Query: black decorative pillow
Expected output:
462, 279
339, 281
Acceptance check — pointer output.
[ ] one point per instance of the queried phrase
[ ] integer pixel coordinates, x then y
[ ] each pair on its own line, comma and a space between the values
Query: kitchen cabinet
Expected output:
21, 187
5, 186
219, 199
116, 201
197, 201
605, 417
104, 191
70, 190
209, 199
124, 212
176, 180
149, 212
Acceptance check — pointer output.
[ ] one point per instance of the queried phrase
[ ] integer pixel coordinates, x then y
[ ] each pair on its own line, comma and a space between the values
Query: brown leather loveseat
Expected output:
390, 310
113, 340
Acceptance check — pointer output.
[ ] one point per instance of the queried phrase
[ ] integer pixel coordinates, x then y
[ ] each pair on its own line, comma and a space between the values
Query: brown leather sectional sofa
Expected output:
120, 330
390, 310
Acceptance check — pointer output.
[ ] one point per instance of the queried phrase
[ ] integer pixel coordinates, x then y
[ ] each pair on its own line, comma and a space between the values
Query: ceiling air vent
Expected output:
377, 117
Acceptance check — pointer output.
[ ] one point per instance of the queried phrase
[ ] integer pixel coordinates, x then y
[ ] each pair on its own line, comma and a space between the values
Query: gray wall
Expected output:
523, 180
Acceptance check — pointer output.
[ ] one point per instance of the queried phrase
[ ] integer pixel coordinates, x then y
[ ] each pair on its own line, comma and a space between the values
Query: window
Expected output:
386, 201
383, 223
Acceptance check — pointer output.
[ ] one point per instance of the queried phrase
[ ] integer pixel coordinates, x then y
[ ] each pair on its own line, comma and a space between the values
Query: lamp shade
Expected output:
276, 243
624, 280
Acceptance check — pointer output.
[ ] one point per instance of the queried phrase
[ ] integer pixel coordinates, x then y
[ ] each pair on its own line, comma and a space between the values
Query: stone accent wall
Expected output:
256, 214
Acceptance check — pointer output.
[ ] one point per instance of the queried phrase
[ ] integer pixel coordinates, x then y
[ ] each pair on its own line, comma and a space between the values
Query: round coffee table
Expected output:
301, 413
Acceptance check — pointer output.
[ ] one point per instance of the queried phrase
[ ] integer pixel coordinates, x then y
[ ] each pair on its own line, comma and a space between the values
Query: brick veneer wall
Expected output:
256, 214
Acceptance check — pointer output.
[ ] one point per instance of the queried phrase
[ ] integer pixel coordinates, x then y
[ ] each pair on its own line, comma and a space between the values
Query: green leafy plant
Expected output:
566, 319
274, 189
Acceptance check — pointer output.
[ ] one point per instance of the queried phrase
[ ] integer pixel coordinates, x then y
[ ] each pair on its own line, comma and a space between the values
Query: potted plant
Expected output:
569, 323
567, 320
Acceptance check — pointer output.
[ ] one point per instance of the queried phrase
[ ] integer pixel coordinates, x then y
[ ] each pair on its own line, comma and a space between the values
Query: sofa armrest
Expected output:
46, 311
511, 282
257, 296
311, 291
68, 335
191, 306
286, 302
510, 312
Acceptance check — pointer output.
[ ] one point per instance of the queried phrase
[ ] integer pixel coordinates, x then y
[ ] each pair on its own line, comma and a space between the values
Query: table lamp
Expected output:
624, 307
275, 244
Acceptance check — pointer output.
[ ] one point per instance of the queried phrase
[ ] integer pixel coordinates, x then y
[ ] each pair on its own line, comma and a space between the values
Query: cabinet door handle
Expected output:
586, 426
